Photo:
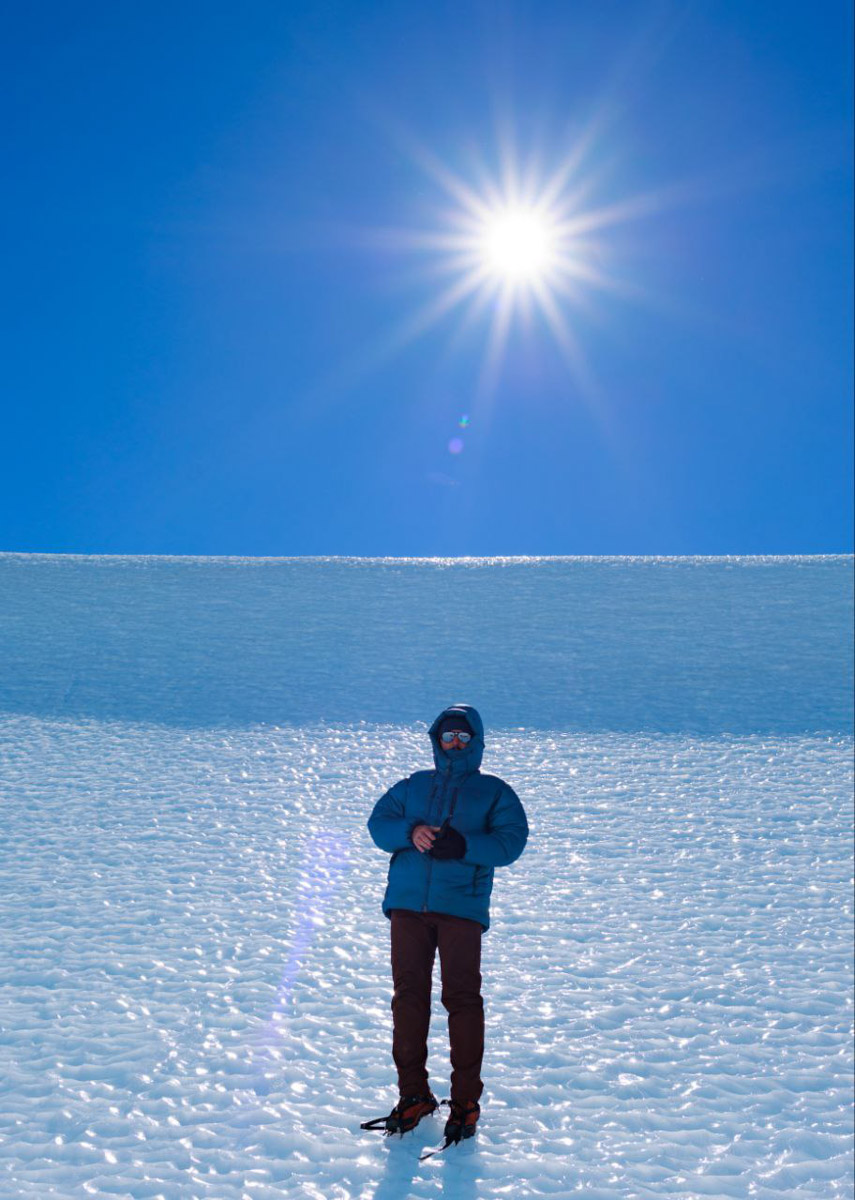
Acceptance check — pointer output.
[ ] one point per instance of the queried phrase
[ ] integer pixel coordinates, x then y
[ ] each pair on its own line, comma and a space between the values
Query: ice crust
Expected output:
194, 974
696, 645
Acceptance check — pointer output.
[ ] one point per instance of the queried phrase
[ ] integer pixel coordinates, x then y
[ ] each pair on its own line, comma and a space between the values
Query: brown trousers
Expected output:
415, 939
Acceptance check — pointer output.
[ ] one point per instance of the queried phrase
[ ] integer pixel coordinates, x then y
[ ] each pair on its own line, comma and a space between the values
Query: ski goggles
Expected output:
448, 737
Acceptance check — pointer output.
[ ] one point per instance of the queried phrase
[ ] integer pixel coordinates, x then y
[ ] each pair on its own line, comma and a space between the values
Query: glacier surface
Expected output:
194, 974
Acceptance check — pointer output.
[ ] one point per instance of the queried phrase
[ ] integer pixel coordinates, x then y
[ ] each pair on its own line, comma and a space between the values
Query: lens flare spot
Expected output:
455, 446
464, 421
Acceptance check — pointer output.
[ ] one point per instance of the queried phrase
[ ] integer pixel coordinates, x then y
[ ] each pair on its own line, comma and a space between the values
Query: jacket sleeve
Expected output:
506, 836
388, 825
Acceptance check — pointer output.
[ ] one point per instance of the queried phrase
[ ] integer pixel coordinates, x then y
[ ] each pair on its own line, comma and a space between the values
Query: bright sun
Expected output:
518, 246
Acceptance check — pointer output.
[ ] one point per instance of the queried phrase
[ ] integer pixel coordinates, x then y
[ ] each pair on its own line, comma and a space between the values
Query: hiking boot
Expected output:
463, 1119
409, 1111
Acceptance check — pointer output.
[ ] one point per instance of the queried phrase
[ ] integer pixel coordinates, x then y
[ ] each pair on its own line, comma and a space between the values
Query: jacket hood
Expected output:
459, 762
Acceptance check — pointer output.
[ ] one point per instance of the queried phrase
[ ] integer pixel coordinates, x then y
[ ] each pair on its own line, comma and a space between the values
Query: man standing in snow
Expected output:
446, 830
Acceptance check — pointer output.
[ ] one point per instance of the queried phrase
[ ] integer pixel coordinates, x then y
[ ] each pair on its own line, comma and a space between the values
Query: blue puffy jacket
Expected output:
482, 807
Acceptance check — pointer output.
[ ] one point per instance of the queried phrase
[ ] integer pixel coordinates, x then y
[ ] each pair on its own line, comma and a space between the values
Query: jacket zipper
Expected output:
430, 814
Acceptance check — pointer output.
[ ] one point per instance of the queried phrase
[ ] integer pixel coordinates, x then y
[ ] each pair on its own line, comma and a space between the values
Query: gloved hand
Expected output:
449, 843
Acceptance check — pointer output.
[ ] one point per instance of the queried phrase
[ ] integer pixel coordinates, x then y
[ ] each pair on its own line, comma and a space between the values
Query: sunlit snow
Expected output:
194, 968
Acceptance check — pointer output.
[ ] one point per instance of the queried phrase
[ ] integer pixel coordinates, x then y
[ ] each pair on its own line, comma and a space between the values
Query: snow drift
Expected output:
194, 968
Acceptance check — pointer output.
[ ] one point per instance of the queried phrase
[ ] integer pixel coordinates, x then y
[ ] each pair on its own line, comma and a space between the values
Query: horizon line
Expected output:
430, 559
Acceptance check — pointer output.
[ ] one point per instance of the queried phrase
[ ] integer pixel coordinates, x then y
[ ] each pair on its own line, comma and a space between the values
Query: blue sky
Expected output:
224, 229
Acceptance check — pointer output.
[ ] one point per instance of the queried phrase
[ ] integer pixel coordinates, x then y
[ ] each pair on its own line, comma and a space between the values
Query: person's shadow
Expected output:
457, 1169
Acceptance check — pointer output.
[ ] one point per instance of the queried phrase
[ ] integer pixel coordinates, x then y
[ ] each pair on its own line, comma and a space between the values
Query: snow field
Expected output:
195, 985
658, 645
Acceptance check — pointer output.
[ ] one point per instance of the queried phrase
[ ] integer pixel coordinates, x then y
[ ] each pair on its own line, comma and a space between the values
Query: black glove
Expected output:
448, 843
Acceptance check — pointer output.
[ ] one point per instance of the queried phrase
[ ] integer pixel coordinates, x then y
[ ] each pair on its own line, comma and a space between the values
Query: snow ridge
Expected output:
700, 646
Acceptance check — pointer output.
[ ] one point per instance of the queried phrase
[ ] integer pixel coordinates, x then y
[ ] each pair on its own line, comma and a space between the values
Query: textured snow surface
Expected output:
194, 974
695, 645
194, 979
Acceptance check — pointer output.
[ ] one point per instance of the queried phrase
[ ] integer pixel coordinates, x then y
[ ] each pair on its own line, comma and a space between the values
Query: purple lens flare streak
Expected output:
325, 863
